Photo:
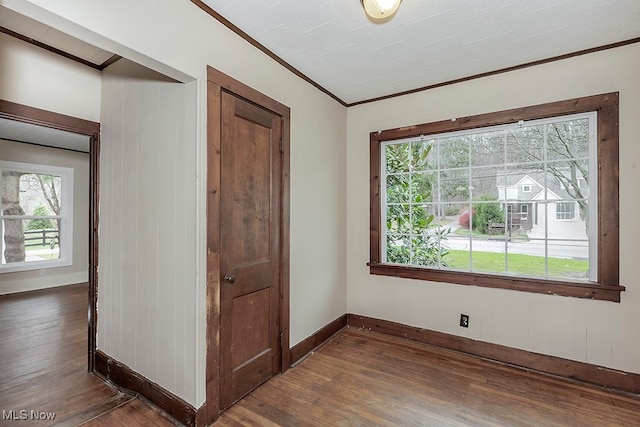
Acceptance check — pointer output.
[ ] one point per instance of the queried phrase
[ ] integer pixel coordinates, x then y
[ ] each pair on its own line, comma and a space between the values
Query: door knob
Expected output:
230, 278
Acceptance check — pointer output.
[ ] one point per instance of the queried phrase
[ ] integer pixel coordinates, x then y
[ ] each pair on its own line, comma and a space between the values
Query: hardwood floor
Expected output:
364, 379
359, 378
43, 360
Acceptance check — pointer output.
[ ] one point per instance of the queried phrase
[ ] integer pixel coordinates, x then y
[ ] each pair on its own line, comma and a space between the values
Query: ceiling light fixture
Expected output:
380, 10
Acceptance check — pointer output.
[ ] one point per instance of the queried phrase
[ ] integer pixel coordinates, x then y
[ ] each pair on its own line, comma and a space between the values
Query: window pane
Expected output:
397, 158
525, 144
423, 155
26, 240
488, 148
568, 140
398, 188
484, 183
568, 259
454, 185
398, 218
422, 186
524, 264
490, 200
398, 248
488, 256
39, 194
426, 250
422, 218
458, 256
453, 152
568, 179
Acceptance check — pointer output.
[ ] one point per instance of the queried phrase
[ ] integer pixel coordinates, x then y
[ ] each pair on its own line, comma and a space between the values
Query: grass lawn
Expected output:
528, 265
466, 232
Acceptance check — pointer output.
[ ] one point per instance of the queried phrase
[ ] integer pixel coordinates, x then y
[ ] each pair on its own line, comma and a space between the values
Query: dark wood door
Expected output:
250, 209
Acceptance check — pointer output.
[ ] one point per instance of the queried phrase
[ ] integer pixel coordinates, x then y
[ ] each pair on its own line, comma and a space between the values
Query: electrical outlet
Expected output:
464, 320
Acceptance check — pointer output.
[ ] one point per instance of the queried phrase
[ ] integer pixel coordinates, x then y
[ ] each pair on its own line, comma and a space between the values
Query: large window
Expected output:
485, 200
36, 217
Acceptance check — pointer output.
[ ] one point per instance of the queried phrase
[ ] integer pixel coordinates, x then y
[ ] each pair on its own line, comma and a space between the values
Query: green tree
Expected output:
412, 237
485, 214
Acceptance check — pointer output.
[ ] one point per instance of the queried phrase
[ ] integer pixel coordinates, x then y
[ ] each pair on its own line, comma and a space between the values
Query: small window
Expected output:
36, 216
446, 205
565, 210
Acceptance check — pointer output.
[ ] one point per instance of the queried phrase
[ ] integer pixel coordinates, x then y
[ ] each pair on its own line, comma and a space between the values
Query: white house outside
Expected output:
537, 203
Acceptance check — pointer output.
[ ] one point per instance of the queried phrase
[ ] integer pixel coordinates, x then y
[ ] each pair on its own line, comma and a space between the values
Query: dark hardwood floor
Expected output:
359, 378
43, 360
364, 379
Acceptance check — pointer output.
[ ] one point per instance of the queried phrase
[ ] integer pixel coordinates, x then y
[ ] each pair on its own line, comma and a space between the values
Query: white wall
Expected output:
147, 280
597, 332
78, 272
35, 77
177, 38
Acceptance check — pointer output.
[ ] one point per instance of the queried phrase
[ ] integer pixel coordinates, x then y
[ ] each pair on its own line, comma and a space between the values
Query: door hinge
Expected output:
281, 145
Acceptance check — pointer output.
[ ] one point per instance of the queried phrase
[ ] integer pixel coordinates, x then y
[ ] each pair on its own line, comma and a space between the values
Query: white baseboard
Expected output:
11, 283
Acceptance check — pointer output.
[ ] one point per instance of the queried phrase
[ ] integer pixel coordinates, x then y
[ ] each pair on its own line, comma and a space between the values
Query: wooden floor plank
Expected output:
359, 378
363, 378
136, 412
43, 359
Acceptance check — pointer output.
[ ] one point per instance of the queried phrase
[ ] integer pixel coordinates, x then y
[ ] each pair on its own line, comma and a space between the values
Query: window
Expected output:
526, 189
442, 196
565, 210
36, 216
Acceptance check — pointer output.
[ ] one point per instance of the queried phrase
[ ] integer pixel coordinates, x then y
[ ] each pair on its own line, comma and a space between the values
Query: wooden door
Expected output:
250, 215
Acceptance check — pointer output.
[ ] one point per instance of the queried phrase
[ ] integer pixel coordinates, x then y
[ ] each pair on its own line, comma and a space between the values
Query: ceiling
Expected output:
40, 34
12, 130
428, 42
34, 32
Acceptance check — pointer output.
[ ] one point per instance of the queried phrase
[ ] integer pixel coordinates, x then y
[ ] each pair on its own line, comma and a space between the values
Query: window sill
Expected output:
34, 265
525, 284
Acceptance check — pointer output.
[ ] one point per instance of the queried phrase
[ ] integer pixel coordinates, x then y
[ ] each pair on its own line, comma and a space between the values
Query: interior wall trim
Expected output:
317, 339
36, 116
224, 21
60, 52
126, 378
501, 71
202, 5
570, 370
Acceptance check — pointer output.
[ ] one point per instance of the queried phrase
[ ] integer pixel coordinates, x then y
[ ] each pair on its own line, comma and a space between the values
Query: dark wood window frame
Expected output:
607, 286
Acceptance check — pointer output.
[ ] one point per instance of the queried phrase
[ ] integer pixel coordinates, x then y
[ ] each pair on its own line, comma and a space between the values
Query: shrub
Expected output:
464, 219
486, 214
39, 224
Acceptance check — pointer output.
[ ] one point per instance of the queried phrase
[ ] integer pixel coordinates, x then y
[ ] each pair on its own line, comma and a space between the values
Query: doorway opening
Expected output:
50, 120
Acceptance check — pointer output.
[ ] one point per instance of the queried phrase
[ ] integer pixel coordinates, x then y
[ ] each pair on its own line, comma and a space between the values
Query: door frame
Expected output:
36, 116
217, 82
